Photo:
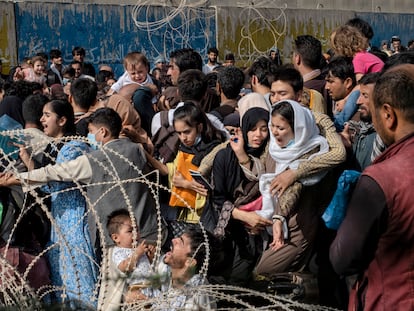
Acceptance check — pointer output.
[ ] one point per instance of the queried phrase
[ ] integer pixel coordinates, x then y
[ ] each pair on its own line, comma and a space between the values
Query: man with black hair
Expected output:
54, 74
340, 83
212, 63
230, 80
103, 172
183, 265
375, 238
360, 137
78, 54
32, 110
396, 46
182, 60
309, 61
261, 74
229, 60
82, 97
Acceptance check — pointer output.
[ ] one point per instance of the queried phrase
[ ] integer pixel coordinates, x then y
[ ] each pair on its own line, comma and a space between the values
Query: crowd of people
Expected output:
257, 155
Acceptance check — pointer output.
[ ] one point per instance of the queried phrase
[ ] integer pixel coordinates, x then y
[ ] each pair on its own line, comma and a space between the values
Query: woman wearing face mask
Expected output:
235, 175
295, 139
71, 255
198, 137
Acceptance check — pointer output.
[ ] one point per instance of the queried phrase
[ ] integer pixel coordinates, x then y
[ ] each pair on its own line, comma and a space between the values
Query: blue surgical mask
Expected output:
65, 81
290, 143
92, 141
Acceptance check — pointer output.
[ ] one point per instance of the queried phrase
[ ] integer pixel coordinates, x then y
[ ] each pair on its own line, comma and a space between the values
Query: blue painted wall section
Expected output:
387, 25
108, 32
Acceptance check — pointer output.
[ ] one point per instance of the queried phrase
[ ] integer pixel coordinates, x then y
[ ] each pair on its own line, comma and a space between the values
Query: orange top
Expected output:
184, 165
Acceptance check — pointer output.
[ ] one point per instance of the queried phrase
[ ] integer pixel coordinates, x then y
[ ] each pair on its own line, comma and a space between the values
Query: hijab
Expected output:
233, 173
250, 118
307, 138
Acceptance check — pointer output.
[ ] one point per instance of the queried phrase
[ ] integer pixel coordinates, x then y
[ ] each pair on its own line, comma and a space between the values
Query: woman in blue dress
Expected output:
72, 262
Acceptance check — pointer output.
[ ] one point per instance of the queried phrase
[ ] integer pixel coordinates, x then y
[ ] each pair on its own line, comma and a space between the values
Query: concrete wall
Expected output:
109, 31
381, 6
8, 47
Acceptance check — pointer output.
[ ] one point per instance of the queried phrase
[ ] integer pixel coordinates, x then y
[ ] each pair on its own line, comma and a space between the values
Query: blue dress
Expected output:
72, 260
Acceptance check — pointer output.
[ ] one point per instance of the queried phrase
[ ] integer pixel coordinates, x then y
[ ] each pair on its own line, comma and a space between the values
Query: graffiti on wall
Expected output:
251, 32
109, 32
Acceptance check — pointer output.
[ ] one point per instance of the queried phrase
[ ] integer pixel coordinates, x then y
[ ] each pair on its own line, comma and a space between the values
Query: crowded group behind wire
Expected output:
275, 160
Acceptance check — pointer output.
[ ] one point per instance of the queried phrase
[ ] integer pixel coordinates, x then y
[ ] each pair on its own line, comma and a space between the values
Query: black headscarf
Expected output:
249, 121
200, 150
229, 175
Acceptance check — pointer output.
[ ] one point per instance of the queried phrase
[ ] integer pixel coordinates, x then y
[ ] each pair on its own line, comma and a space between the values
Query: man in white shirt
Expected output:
212, 63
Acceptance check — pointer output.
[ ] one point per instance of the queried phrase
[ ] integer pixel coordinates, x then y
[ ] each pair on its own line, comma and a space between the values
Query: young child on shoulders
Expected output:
134, 262
136, 72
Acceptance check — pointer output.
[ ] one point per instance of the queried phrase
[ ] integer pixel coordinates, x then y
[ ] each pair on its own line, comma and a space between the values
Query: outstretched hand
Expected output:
8, 179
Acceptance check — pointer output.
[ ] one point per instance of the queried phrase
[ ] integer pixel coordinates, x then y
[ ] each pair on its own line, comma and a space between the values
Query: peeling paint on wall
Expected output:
272, 27
108, 32
387, 25
8, 51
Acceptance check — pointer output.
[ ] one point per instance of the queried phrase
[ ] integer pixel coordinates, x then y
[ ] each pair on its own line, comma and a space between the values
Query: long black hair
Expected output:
64, 109
193, 116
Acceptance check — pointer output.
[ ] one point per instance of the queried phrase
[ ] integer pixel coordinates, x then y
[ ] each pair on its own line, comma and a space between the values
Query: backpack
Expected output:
165, 141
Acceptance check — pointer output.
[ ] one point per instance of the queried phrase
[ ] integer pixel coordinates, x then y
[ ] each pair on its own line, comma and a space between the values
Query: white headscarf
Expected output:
307, 138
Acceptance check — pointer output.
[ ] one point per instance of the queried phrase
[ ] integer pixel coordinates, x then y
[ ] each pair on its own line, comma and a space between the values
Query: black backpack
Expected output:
165, 141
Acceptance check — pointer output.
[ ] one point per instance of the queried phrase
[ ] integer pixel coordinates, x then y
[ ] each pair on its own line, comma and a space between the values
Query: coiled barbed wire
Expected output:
16, 291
